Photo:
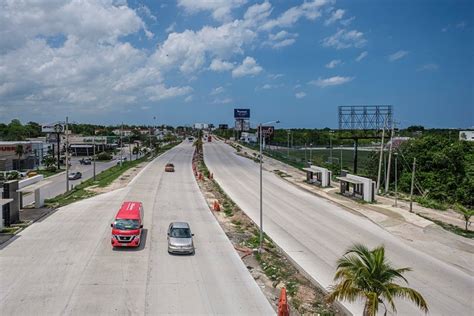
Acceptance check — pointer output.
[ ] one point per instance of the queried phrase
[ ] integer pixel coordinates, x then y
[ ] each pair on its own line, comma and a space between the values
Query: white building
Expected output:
466, 135
247, 137
201, 125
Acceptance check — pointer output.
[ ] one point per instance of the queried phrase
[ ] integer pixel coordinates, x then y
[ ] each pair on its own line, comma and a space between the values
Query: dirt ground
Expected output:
121, 181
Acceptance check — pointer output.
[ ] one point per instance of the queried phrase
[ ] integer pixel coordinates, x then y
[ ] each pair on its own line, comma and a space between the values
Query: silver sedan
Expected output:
180, 238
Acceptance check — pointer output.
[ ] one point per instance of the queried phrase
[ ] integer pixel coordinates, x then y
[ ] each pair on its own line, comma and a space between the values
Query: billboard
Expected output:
223, 126
53, 128
268, 131
242, 113
242, 125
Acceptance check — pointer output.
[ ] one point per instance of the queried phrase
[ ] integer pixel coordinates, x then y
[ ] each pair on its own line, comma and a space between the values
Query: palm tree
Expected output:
366, 274
19, 151
466, 214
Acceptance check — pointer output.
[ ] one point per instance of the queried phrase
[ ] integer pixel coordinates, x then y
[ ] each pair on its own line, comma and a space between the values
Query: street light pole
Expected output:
260, 136
67, 157
261, 189
288, 145
330, 146
412, 185
93, 149
121, 144
396, 179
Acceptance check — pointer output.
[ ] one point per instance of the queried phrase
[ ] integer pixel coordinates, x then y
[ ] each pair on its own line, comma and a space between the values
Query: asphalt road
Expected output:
315, 233
64, 264
56, 185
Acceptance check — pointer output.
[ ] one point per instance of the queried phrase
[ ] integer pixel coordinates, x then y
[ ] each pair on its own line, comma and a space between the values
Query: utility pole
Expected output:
330, 146
260, 249
340, 149
94, 154
412, 184
381, 155
121, 144
130, 150
288, 146
305, 157
387, 181
67, 157
311, 152
396, 179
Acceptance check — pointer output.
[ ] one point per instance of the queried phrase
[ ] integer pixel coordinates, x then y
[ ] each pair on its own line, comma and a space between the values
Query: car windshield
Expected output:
127, 224
180, 233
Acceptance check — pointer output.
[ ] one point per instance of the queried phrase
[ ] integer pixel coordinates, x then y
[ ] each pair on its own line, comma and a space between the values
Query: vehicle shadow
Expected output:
139, 248
183, 254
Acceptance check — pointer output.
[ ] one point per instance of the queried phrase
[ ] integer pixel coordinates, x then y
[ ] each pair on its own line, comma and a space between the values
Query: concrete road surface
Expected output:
315, 233
64, 264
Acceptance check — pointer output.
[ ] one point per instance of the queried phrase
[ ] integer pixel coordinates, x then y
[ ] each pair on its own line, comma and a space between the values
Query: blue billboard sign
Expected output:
242, 113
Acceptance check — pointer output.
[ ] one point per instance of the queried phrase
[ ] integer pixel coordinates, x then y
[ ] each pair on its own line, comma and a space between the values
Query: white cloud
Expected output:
275, 76
309, 10
145, 11
87, 69
280, 39
220, 66
398, 55
348, 21
362, 56
333, 63
189, 50
268, 86
189, 98
332, 81
222, 101
335, 16
257, 13
161, 92
220, 9
428, 67
217, 90
171, 27
91, 21
345, 39
248, 67
300, 95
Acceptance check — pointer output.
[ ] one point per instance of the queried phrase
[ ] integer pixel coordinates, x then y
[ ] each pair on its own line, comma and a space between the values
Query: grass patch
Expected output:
428, 203
48, 173
10, 230
452, 228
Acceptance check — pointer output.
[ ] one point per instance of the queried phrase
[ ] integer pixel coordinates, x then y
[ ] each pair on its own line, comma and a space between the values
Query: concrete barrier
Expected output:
30, 181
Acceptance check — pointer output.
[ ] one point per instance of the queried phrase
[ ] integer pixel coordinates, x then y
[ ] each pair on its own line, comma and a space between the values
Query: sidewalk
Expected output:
27, 217
383, 212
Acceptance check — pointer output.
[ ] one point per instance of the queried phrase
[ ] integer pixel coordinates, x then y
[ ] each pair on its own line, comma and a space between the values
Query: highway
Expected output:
64, 264
315, 233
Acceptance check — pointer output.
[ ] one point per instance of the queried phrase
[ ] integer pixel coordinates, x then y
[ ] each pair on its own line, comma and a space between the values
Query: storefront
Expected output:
17, 155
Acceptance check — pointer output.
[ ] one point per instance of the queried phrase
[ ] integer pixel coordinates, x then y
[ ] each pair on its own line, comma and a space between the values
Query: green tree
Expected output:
136, 150
366, 274
15, 131
49, 161
466, 214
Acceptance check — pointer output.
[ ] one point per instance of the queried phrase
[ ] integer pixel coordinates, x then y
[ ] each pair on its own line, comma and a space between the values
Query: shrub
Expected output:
104, 156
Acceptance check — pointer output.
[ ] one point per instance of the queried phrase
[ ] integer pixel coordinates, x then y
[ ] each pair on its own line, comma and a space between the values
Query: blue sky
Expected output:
189, 61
